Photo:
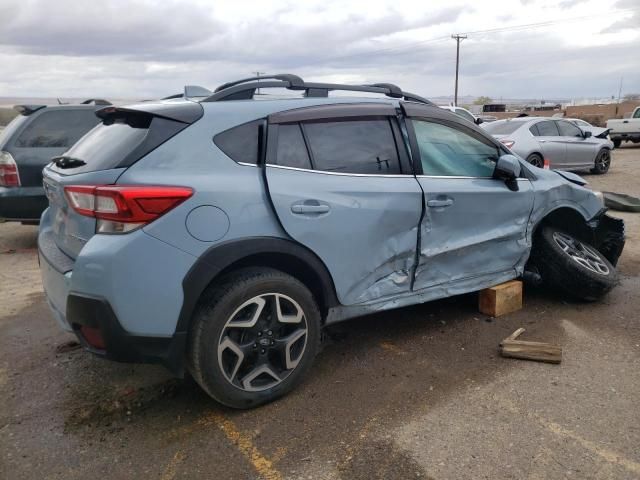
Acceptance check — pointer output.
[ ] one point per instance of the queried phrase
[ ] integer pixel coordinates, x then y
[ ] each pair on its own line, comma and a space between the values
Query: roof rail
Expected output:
95, 101
245, 89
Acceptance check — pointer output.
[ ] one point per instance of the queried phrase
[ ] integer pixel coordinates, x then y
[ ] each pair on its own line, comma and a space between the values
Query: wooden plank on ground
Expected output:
537, 351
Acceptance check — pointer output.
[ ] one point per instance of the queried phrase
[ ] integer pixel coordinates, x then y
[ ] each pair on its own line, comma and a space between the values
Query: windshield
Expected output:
504, 127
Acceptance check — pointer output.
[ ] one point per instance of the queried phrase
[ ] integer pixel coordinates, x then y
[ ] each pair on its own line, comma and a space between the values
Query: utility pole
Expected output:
458, 38
258, 75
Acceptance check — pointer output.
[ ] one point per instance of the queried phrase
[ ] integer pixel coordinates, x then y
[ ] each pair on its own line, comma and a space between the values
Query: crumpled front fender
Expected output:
608, 235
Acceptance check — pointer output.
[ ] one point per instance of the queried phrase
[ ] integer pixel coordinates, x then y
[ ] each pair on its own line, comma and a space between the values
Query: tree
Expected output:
482, 100
631, 97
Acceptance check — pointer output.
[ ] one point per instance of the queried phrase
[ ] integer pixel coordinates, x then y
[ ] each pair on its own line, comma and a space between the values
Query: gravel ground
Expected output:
418, 392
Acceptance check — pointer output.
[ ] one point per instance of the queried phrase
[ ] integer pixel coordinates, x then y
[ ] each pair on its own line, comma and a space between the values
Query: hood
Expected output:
572, 177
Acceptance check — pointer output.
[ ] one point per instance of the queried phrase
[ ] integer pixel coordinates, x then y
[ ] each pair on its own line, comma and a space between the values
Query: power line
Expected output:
522, 27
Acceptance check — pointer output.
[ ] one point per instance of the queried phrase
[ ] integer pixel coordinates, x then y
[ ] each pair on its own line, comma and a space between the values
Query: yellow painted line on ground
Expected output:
244, 442
171, 469
604, 453
392, 348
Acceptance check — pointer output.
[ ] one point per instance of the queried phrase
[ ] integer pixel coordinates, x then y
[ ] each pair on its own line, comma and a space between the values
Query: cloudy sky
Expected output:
151, 48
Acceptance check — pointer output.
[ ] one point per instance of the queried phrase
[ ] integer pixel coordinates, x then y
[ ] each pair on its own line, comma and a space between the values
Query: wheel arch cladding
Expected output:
277, 253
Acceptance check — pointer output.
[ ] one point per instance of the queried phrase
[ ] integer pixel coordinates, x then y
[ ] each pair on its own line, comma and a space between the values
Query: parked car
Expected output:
221, 236
585, 126
464, 113
625, 130
28, 143
557, 144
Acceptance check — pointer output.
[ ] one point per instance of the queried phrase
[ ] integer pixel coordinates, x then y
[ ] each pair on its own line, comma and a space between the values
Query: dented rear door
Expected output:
341, 187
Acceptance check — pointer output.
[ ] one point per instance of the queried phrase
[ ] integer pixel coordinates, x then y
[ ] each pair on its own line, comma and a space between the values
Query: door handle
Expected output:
440, 203
310, 208
542, 141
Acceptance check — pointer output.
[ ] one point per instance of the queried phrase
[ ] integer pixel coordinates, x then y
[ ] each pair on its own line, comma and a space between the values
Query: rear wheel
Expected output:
603, 162
254, 337
571, 265
536, 160
617, 143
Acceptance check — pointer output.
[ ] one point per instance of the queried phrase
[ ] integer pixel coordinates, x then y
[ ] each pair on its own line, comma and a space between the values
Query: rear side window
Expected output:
353, 146
534, 130
569, 130
57, 129
547, 129
240, 143
292, 151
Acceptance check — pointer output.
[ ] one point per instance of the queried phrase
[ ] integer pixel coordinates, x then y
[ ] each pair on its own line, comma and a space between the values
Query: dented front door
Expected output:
350, 201
474, 226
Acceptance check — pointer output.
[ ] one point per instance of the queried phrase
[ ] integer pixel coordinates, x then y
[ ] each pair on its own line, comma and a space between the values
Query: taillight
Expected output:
123, 208
9, 176
507, 143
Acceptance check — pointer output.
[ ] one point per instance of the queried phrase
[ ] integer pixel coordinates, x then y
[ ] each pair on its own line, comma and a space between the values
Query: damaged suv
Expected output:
220, 236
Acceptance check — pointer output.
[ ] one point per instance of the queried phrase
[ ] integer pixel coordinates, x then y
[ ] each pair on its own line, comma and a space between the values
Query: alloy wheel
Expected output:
262, 342
582, 254
603, 161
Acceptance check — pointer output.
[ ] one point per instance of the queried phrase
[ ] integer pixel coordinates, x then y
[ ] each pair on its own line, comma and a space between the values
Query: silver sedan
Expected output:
553, 143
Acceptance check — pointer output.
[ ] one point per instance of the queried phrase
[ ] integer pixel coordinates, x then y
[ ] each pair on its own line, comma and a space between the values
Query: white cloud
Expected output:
145, 48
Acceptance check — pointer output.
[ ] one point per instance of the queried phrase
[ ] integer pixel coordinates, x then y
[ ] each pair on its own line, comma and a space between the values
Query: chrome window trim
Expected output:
283, 167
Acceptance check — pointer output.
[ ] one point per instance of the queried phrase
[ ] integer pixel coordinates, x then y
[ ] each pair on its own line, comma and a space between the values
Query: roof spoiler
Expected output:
27, 110
185, 112
96, 101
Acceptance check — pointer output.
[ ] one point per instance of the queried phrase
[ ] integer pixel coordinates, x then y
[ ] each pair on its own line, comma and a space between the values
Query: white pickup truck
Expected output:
625, 130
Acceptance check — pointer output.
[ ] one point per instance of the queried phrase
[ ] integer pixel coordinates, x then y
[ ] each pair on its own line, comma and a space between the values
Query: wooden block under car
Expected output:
501, 299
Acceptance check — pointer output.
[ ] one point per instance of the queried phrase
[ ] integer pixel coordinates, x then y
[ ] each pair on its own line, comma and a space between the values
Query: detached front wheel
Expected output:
571, 265
254, 337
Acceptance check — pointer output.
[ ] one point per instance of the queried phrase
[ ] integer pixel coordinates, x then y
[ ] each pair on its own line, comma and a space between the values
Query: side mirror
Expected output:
586, 134
508, 169
479, 121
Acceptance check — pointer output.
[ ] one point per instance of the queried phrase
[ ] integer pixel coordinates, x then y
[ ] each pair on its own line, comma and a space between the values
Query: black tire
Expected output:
211, 356
536, 160
561, 271
617, 143
602, 162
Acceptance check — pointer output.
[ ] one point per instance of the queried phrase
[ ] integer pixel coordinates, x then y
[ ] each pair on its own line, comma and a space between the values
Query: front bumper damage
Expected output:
608, 235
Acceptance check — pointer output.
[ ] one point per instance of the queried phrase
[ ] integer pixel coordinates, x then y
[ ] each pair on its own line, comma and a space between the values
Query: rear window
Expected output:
502, 128
108, 144
57, 129
547, 129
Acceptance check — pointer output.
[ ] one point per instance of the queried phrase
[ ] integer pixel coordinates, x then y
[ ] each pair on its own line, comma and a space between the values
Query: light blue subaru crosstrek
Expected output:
220, 235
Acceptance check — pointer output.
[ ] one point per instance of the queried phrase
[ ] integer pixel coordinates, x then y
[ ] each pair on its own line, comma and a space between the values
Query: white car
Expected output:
464, 113
626, 129
597, 132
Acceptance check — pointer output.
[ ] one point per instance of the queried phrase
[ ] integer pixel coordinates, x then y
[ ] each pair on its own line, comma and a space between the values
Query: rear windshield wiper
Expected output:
68, 162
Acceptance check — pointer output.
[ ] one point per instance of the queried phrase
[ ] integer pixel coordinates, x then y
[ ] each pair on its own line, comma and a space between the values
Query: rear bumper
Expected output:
624, 136
22, 203
120, 345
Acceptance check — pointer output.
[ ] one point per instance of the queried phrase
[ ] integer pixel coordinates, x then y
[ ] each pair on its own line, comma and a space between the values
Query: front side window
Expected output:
547, 129
57, 129
448, 151
353, 146
567, 129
